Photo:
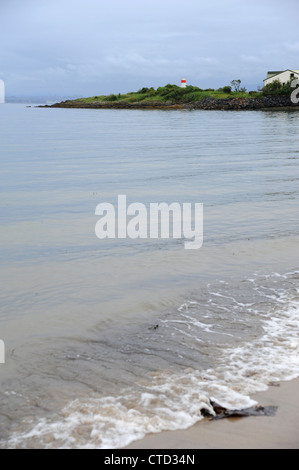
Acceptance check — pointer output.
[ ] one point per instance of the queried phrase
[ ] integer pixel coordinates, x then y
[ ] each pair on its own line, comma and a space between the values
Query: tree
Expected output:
236, 84
277, 88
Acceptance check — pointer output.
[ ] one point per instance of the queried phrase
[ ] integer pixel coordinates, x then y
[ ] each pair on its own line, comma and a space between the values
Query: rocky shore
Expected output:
261, 102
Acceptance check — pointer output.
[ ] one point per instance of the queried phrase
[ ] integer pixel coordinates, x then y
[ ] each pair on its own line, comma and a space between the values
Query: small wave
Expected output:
171, 401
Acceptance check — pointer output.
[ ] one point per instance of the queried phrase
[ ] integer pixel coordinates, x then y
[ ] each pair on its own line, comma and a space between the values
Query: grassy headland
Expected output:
191, 97
171, 94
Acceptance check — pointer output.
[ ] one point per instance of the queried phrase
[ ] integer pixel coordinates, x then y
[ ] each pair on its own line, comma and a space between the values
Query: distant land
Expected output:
190, 97
37, 99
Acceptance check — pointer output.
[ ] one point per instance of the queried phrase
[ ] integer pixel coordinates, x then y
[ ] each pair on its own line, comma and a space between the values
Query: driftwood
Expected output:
221, 412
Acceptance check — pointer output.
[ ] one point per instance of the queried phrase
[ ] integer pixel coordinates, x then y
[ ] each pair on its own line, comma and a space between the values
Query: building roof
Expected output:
273, 74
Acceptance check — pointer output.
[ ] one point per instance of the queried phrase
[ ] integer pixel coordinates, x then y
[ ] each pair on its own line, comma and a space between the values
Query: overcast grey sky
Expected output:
93, 47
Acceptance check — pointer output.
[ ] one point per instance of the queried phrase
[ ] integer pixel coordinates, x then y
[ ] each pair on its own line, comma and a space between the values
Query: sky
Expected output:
93, 47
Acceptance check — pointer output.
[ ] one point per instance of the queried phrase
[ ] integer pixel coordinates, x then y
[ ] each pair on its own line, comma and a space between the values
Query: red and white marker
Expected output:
183, 83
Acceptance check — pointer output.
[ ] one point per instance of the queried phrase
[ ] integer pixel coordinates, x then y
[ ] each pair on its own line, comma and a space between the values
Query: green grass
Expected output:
168, 93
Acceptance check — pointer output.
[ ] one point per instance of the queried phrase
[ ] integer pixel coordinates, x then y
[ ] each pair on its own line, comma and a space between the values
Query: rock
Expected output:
254, 411
222, 412
206, 413
217, 408
263, 102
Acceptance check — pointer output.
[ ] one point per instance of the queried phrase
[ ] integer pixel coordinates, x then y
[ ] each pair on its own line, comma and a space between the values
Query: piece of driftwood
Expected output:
222, 412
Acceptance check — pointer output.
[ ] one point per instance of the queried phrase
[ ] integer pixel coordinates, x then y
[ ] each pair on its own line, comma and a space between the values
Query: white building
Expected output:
283, 76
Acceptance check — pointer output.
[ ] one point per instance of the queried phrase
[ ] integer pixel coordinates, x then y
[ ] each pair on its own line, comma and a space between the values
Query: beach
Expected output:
111, 340
274, 432
149, 186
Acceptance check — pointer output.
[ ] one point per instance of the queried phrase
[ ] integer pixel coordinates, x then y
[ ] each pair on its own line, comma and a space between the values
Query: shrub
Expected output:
191, 97
111, 98
277, 88
175, 94
171, 92
143, 90
165, 90
151, 91
272, 88
191, 89
226, 89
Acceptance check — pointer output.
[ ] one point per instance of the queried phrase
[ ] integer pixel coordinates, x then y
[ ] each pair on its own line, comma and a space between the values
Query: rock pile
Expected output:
262, 102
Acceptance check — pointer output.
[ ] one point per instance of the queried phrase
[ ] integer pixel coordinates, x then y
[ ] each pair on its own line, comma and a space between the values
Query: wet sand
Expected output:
278, 432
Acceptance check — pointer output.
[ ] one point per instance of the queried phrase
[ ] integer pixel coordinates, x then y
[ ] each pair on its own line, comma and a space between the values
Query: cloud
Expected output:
206, 61
251, 59
83, 46
131, 59
292, 46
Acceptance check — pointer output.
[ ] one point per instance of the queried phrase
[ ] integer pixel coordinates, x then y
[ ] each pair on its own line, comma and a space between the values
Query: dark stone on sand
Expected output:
155, 327
222, 412
254, 411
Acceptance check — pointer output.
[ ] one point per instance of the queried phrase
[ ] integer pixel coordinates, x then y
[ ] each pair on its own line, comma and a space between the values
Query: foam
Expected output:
171, 401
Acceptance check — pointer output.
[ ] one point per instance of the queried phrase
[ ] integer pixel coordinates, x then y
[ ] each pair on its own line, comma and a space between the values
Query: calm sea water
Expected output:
108, 340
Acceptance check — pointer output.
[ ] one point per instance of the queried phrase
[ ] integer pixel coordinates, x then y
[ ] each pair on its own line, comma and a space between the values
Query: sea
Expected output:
108, 340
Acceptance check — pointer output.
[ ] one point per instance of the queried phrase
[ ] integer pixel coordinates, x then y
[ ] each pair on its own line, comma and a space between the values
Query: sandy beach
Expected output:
278, 432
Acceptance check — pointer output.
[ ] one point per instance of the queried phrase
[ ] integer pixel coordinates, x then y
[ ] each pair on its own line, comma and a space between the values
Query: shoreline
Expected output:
275, 432
266, 103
